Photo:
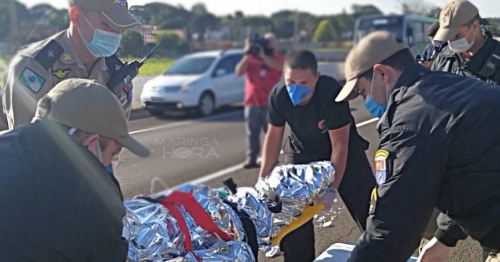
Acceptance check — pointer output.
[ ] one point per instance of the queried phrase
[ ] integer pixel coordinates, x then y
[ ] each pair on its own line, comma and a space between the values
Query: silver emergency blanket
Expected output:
222, 214
154, 235
296, 185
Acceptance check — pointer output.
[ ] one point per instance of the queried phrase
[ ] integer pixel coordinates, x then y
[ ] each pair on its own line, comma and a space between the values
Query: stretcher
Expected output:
340, 252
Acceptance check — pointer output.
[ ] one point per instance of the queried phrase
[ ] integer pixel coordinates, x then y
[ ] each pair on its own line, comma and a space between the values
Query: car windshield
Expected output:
190, 66
391, 24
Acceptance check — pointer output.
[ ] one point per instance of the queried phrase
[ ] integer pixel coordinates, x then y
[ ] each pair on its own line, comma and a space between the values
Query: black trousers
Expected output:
355, 190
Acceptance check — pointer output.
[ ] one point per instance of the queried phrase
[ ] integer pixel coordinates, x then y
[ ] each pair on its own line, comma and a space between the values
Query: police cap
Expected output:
371, 50
88, 106
115, 13
452, 17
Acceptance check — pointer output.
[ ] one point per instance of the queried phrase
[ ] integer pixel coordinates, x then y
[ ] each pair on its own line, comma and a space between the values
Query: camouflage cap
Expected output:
452, 17
115, 13
88, 106
371, 50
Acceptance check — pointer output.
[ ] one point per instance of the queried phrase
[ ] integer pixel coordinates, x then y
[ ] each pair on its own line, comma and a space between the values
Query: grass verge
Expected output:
154, 66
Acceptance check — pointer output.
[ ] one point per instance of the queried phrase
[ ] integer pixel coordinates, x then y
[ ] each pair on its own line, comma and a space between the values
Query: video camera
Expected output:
256, 43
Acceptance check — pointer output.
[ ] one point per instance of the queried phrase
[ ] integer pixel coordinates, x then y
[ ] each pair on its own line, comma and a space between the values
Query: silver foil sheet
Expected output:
297, 186
249, 200
222, 214
154, 235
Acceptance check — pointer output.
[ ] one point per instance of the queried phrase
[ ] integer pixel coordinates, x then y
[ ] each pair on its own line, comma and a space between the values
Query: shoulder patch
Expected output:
61, 73
32, 80
381, 166
49, 54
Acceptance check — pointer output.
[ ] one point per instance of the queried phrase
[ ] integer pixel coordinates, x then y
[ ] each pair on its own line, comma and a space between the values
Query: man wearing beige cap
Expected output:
439, 147
58, 200
85, 50
471, 50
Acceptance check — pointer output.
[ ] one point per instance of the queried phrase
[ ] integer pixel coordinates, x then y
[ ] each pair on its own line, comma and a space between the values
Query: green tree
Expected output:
59, 19
325, 32
131, 44
171, 45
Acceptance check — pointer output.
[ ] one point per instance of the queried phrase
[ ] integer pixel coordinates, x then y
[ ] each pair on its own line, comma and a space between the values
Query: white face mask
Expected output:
462, 45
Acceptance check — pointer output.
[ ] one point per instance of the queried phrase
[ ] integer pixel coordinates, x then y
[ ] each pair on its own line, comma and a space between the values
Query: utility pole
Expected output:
13, 24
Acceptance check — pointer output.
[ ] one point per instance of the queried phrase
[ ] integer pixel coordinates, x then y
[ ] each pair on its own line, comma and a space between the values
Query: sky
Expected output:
487, 8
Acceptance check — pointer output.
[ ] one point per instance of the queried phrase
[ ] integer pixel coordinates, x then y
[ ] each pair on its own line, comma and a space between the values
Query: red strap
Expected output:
199, 215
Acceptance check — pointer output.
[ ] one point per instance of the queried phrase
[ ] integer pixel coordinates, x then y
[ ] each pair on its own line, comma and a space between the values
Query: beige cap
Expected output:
452, 17
371, 50
114, 12
88, 106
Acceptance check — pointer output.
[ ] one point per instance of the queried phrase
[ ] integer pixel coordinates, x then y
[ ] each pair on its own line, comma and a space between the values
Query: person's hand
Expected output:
261, 186
427, 64
435, 251
247, 46
327, 199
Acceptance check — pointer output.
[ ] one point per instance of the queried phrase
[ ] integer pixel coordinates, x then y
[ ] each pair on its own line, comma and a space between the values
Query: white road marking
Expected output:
187, 122
235, 168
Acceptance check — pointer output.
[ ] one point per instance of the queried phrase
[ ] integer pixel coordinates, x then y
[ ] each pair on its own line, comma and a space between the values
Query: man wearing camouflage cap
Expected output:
85, 50
472, 51
59, 201
439, 147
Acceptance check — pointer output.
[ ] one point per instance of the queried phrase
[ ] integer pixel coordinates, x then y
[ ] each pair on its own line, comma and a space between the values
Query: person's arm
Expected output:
448, 232
25, 82
338, 122
271, 62
242, 66
274, 136
402, 204
340, 147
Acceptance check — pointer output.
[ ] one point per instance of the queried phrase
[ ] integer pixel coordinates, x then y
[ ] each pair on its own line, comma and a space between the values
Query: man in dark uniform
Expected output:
439, 147
321, 130
471, 50
57, 199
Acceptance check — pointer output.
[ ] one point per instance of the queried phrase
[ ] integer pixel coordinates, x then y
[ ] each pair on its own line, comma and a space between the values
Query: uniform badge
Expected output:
380, 166
128, 91
67, 57
31, 80
445, 20
373, 200
61, 74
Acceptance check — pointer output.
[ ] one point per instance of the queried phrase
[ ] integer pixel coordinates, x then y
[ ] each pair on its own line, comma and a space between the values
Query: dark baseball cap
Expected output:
115, 13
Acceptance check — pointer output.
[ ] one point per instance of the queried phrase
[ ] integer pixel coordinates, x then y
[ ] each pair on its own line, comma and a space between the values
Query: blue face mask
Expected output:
103, 43
297, 93
372, 106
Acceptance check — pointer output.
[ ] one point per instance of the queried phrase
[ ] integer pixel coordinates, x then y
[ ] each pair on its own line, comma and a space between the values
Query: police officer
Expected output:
321, 129
63, 205
439, 147
471, 50
85, 50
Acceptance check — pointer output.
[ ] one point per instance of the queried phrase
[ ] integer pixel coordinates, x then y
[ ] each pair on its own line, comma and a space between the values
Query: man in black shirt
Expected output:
305, 100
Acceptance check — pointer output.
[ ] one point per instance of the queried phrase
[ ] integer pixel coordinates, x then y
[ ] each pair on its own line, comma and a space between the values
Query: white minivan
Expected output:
203, 81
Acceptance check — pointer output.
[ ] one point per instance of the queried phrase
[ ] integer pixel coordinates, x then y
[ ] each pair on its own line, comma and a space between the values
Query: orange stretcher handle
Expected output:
308, 213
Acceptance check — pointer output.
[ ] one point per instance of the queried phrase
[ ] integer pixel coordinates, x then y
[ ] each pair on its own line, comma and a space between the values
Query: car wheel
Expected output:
155, 112
206, 106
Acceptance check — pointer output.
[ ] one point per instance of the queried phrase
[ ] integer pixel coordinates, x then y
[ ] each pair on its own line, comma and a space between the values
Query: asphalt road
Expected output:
211, 149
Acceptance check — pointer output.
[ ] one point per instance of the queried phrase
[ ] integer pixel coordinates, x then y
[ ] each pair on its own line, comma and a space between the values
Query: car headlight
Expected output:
185, 87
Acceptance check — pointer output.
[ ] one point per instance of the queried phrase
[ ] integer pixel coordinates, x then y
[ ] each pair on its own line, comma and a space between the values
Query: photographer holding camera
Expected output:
262, 66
